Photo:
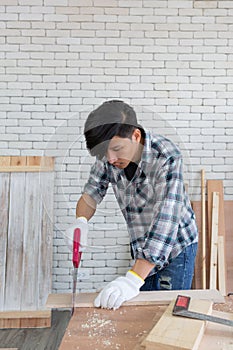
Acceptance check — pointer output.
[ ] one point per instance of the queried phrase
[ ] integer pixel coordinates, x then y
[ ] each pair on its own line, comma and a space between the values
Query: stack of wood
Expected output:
214, 263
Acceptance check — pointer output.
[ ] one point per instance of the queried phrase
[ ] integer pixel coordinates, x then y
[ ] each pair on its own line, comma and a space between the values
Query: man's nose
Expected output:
111, 156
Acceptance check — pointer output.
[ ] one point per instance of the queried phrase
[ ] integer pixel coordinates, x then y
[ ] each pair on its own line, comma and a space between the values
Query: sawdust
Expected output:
101, 329
227, 306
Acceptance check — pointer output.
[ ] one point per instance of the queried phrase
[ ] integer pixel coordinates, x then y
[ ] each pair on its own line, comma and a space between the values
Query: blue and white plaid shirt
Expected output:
158, 213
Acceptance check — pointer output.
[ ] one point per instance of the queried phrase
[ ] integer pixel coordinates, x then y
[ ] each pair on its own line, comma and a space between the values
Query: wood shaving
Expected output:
101, 328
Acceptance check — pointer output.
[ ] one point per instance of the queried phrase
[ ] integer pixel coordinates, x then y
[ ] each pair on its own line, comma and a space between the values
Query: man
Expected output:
145, 172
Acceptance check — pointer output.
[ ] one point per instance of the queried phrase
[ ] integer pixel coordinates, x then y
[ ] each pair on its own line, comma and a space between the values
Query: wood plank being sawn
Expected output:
149, 298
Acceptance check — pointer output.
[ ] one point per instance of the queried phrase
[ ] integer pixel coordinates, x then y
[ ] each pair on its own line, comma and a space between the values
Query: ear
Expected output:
137, 135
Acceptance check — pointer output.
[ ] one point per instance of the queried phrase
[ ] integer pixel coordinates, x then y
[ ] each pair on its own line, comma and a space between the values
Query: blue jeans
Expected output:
177, 275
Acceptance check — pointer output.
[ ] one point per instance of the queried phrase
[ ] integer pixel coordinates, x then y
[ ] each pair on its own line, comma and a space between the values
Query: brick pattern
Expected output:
170, 59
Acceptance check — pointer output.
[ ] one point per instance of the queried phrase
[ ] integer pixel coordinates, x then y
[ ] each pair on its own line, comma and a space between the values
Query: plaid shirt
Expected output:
158, 213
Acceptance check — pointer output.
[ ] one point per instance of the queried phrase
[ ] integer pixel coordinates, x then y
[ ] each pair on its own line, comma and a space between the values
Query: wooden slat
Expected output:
46, 238
20, 161
214, 241
4, 205
14, 284
144, 298
228, 210
26, 163
217, 186
177, 333
5, 161
25, 319
222, 273
203, 228
32, 227
217, 336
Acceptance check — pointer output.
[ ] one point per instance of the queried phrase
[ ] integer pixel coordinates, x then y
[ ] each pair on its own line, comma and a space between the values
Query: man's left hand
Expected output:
119, 290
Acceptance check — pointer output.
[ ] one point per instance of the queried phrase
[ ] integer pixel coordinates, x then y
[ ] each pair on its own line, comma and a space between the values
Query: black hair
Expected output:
112, 118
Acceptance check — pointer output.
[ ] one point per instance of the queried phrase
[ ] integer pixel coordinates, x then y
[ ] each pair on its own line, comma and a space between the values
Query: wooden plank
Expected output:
26, 163
217, 186
25, 319
228, 210
222, 273
214, 241
144, 298
14, 283
32, 223
20, 161
177, 333
203, 228
45, 238
5, 161
217, 336
108, 329
4, 211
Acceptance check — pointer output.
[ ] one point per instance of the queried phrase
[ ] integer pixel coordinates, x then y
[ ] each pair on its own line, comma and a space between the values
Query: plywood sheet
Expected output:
153, 298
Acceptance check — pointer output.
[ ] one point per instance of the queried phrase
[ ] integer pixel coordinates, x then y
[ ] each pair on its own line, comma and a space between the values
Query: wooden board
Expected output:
214, 241
125, 328
149, 298
228, 210
217, 186
178, 333
218, 336
26, 231
25, 319
26, 163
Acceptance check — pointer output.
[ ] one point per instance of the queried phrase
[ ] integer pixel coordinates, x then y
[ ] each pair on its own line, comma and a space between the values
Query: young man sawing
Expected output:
146, 175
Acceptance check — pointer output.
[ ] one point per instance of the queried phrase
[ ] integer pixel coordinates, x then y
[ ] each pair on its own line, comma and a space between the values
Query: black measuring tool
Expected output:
181, 309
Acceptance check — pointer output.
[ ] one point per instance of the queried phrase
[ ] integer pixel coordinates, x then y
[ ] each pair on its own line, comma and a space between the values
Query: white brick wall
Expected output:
59, 59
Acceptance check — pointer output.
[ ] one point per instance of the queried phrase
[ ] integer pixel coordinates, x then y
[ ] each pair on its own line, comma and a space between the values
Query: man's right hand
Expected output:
82, 224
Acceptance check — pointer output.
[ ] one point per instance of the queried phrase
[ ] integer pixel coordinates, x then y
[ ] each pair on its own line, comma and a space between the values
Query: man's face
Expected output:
122, 151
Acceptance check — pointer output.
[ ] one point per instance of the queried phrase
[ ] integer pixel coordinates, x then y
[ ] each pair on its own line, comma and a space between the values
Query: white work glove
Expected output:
119, 290
82, 224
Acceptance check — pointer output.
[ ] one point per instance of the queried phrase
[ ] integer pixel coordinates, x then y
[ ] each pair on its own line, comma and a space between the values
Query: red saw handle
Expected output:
76, 247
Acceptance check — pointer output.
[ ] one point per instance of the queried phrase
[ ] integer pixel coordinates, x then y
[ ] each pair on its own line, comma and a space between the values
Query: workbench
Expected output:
128, 327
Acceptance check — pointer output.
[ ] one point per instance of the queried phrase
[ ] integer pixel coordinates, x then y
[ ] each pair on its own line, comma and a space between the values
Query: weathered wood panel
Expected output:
14, 281
26, 203
46, 238
4, 204
29, 297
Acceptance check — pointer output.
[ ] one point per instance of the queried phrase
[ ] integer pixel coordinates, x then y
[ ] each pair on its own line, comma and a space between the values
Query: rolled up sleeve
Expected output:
98, 182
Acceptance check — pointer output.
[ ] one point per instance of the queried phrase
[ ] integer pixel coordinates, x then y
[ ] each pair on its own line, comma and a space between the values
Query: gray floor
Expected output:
37, 338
